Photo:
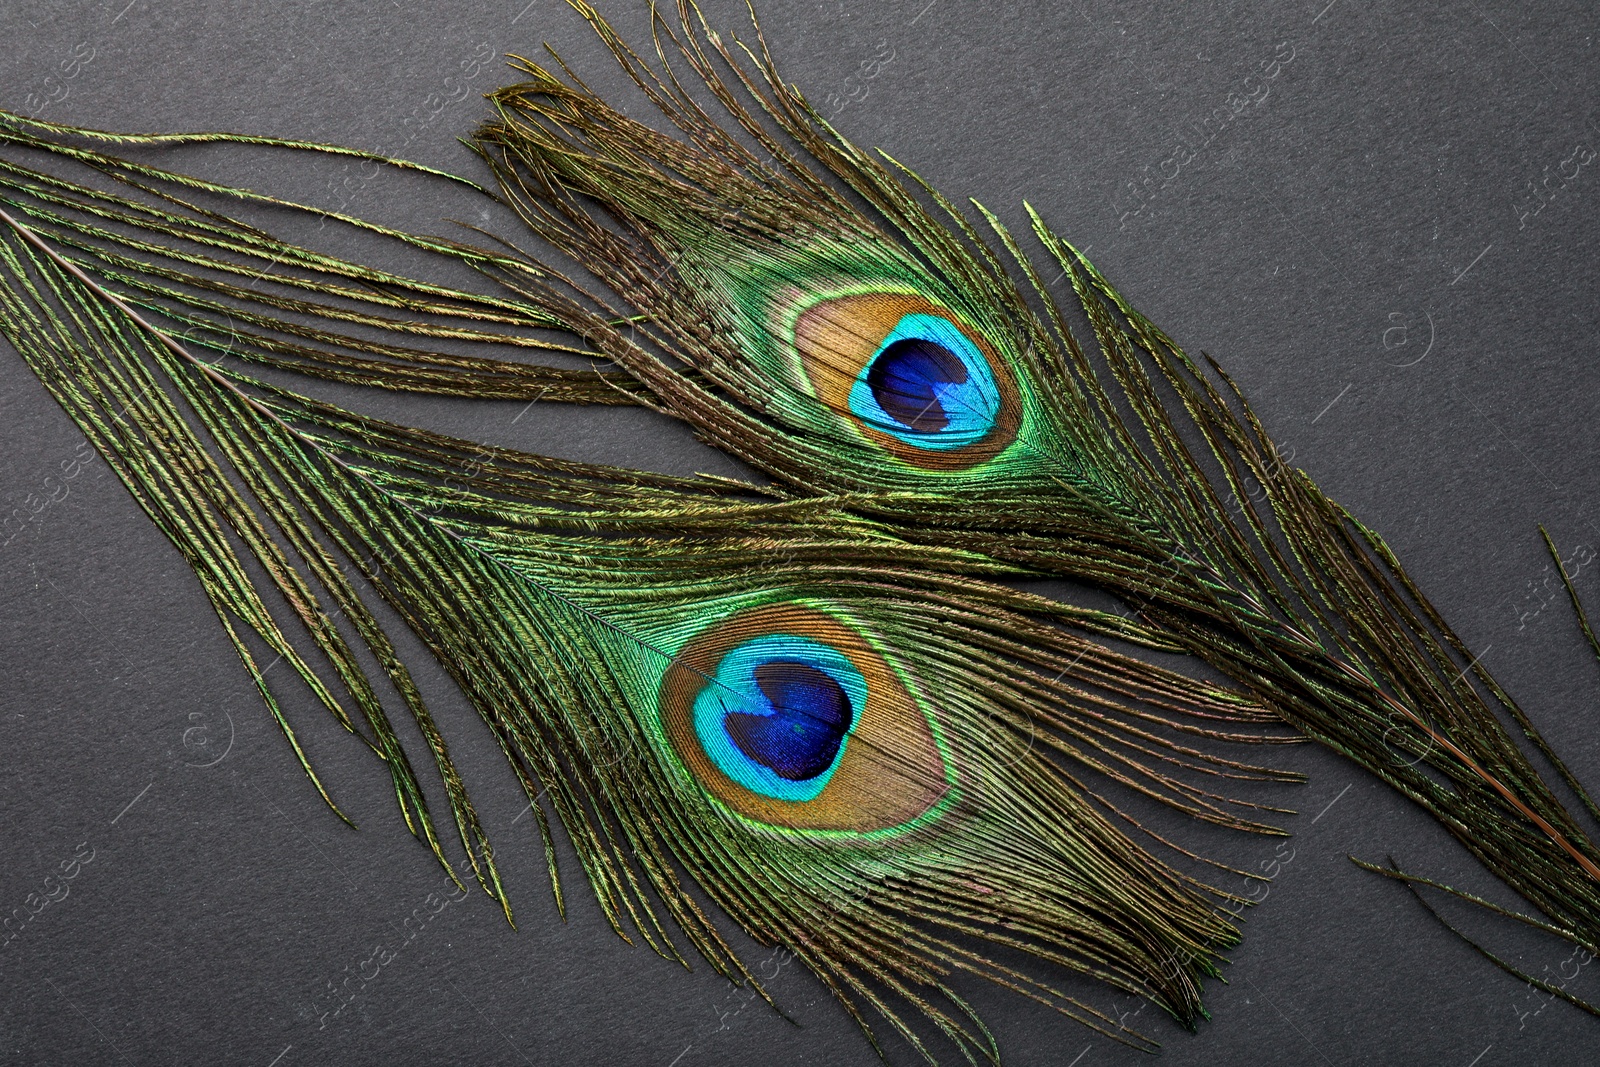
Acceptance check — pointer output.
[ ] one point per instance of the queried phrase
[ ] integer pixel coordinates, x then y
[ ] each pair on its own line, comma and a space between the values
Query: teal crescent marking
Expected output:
970, 407
734, 688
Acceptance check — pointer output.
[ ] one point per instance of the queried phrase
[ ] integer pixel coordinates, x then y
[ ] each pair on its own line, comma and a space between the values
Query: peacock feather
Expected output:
897, 357
816, 701
855, 757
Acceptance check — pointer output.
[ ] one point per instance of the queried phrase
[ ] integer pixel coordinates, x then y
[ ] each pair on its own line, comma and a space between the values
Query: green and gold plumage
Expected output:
1124, 464
856, 757
818, 700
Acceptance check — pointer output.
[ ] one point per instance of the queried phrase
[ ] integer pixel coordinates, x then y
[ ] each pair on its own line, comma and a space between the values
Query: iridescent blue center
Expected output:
909, 378
799, 738
927, 384
777, 713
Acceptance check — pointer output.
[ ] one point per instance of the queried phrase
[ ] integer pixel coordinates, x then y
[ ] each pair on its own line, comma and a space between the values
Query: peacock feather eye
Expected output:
789, 716
911, 376
776, 715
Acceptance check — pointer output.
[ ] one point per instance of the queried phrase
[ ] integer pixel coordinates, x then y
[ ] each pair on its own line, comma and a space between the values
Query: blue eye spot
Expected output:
908, 379
810, 716
777, 713
927, 385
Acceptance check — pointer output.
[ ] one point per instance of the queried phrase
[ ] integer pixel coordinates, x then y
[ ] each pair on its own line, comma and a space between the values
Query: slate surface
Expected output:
1361, 243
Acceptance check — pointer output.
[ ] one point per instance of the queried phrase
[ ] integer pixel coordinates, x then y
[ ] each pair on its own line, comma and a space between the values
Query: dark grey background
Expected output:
1382, 184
